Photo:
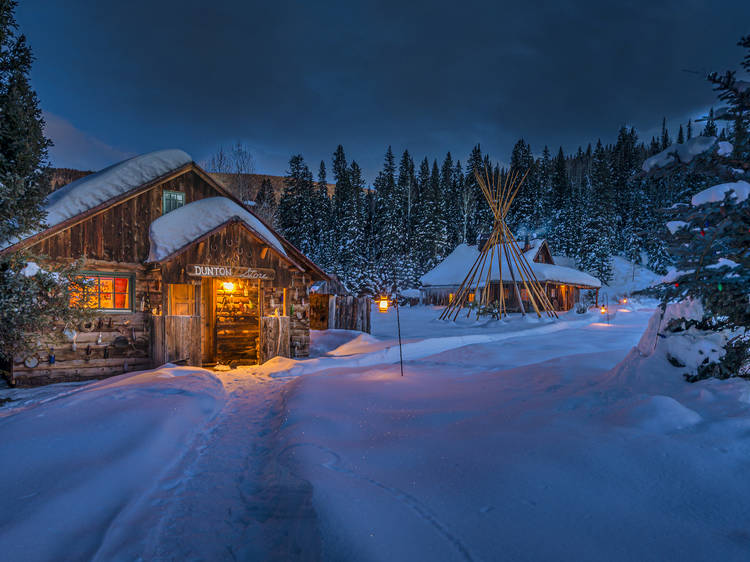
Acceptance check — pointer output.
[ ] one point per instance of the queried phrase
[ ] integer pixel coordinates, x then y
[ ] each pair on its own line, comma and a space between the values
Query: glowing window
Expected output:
471, 297
103, 292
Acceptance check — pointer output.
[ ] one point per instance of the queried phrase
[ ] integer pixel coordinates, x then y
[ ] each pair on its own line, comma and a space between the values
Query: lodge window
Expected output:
181, 299
104, 291
171, 200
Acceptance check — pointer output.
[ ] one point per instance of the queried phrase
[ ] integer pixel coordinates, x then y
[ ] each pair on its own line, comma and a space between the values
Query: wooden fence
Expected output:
182, 343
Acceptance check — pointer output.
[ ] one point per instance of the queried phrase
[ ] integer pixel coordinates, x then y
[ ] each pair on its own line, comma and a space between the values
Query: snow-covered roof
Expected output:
685, 152
92, 190
179, 228
716, 193
452, 271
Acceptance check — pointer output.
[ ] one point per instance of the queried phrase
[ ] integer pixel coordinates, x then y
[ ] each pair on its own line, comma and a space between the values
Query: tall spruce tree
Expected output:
265, 202
736, 95
295, 213
32, 299
710, 129
326, 239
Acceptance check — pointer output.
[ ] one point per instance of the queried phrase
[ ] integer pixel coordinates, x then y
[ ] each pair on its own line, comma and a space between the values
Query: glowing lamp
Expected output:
603, 310
383, 304
228, 286
624, 300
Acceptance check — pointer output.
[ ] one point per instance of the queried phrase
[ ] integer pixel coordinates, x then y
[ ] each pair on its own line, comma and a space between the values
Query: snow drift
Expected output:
74, 468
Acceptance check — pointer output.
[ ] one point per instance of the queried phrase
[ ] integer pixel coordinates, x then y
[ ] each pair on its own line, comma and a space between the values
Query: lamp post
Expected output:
383, 304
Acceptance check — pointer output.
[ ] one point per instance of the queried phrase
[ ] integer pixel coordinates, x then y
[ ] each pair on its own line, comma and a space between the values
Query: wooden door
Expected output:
236, 321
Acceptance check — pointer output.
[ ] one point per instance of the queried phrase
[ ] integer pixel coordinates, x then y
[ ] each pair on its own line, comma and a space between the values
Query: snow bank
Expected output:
564, 460
683, 153
716, 193
175, 230
674, 226
452, 271
628, 278
76, 467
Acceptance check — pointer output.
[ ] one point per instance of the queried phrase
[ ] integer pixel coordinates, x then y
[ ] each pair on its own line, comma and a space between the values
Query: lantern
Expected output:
228, 286
624, 300
383, 304
603, 310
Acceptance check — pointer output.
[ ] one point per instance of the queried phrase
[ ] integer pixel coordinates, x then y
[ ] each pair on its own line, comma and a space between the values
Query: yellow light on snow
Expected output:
383, 304
228, 286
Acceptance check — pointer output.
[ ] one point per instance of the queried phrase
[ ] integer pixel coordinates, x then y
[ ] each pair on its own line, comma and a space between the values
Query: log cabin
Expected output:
563, 285
178, 270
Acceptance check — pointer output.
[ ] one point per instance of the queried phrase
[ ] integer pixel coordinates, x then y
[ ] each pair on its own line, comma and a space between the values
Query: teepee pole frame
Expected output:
500, 194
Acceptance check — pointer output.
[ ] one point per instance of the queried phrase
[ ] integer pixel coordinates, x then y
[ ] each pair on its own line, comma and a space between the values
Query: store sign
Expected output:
231, 271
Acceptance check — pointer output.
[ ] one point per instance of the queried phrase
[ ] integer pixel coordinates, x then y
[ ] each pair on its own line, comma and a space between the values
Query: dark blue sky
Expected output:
121, 78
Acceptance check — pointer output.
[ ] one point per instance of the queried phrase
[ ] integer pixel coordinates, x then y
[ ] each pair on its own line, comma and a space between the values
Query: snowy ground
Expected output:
517, 440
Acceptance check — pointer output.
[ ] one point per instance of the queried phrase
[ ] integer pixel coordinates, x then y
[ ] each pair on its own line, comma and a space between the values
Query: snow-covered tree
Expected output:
32, 299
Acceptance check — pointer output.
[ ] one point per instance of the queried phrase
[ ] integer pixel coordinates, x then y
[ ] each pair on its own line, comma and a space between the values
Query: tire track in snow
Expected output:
403, 497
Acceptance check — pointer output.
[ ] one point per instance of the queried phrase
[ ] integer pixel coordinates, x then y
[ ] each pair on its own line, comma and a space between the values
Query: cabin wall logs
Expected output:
102, 236
274, 338
111, 344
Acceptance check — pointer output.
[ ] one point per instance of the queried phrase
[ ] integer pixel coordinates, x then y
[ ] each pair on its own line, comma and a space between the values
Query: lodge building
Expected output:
178, 271
562, 285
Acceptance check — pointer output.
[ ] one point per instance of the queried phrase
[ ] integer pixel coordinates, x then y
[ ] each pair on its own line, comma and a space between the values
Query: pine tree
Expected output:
710, 129
680, 136
522, 162
712, 250
479, 215
690, 129
393, 268
265, 202
324, 223
560, 183
31, 302
736, 95
599, 221
450, 195
295, 218
666, 142
351, 244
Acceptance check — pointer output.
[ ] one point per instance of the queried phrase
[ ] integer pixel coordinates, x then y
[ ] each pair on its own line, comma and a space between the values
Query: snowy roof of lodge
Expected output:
453, 269
92, 190
684, 153
181, 227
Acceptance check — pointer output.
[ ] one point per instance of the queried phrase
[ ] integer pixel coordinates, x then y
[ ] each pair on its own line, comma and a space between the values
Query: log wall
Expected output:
111, 344
102, 237
274, 338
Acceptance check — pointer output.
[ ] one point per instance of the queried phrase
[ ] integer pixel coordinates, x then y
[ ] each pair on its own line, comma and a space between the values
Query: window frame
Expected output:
114, 274
171, 192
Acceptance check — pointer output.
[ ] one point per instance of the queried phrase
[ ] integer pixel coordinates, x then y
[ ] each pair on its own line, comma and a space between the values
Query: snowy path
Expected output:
231, 501
514, 441
524, 449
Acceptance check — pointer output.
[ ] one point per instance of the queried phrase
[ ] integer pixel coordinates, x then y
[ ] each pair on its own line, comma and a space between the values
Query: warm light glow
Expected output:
450, 298
382, 304
603, 310
624, 300
228, 286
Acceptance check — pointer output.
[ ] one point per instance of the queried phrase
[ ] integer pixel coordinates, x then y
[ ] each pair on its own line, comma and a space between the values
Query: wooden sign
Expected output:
230, 271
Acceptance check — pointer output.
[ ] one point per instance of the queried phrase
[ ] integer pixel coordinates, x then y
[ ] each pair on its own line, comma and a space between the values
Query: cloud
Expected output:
77, 149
